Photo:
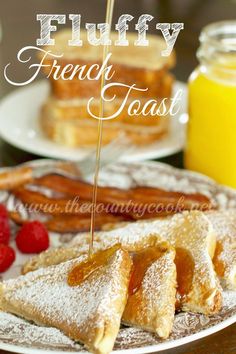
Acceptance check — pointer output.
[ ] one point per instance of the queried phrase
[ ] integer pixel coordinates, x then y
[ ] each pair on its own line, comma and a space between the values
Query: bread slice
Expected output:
152, 290
130, 66
194, 240
193, 237
66, 121
159, 86
77, 247
76, 111
224, 224
65, 118
53, 256
128, 61
89, 312
152, 305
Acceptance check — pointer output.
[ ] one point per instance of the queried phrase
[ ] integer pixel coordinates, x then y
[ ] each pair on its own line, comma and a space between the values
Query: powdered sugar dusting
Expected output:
224, 224
46, 297
191, 231
24, 334
21, 333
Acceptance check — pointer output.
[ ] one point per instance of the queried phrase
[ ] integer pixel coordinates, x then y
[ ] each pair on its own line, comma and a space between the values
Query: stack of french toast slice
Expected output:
139, 274
65, 117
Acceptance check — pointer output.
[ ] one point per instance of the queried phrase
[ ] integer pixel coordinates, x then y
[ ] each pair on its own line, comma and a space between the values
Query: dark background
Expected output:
20, 28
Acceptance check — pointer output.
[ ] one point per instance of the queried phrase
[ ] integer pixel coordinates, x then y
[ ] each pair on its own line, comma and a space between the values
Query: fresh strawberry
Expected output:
4, 225
32, 238
7, 257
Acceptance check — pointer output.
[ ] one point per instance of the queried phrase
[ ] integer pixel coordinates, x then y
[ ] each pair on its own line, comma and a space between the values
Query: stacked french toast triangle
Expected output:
140, 274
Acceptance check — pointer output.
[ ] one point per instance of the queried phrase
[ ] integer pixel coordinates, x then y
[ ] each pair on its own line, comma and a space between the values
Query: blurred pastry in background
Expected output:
64, 116
66, 121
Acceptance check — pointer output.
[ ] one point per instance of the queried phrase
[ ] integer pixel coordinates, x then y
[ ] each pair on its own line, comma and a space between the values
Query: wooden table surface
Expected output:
20, 28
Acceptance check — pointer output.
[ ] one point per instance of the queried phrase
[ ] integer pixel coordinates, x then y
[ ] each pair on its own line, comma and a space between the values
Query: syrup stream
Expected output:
109, 13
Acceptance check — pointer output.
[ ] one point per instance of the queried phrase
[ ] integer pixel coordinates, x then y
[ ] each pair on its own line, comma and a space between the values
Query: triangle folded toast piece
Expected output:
224, 224
89, 310
152, 290
194, 240
190, 233
152, 307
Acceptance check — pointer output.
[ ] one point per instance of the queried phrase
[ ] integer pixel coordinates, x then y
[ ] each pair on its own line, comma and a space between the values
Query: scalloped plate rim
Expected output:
148, 349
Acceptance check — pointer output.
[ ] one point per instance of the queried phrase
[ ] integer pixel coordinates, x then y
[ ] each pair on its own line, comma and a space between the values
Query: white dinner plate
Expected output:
18, 335
19, 113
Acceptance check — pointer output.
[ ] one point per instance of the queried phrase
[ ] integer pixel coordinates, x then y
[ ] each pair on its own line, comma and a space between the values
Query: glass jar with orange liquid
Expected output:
211, 136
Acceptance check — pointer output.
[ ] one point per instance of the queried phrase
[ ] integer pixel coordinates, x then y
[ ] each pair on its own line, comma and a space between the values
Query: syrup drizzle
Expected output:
109, 13
185, 271
82, 271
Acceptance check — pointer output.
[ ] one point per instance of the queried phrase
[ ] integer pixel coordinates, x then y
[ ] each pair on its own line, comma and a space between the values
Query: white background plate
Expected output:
19, 113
